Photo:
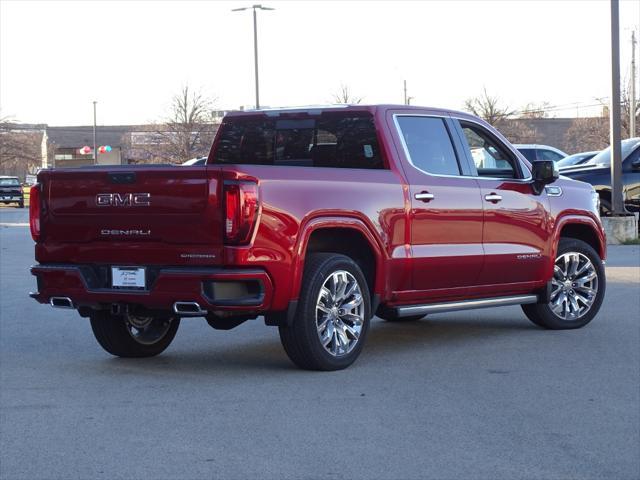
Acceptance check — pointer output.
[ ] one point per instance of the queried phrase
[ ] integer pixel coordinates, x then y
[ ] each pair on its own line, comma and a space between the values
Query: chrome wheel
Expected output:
339, 313
147, 330
574, 286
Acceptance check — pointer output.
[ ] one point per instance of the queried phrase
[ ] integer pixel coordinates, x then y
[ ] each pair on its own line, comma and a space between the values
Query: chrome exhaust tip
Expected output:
61, 302
189, 309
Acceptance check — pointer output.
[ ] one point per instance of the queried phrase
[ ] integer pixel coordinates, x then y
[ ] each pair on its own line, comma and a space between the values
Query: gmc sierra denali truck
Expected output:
318, 219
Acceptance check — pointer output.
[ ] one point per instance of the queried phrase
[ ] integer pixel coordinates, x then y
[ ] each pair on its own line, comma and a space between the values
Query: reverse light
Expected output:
34, 212
241, 211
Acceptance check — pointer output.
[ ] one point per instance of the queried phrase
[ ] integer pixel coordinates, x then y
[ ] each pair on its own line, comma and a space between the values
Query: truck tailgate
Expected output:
135, 207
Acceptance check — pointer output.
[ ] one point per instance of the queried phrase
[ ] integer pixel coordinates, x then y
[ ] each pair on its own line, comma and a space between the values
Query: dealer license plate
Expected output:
127, 277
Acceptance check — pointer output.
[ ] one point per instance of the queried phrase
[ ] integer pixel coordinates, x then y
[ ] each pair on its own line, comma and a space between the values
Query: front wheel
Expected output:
131, 335
332, 318
577, 288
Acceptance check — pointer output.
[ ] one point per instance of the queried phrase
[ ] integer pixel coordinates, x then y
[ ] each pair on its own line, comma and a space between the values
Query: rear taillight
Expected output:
241, 212
34, 212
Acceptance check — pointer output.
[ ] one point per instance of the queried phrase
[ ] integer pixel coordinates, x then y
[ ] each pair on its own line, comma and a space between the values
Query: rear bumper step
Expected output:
412, 310
206, 288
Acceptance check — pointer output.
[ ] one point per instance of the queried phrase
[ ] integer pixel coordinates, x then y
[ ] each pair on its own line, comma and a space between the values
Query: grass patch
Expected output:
630, 241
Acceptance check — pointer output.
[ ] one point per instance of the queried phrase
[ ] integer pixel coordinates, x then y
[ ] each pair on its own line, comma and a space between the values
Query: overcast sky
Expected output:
58, 56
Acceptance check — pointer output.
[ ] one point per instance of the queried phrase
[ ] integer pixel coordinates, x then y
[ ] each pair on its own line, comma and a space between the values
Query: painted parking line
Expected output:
5, 224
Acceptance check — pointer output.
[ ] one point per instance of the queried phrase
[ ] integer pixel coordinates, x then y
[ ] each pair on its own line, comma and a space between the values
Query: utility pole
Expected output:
617, 203
95, 150
632, 88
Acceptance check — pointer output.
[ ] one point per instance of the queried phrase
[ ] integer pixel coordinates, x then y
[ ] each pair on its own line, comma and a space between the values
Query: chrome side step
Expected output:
465, 305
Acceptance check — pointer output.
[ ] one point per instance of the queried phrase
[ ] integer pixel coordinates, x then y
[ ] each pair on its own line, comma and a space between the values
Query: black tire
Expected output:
21, 205
543, 315
113, 334
301, 340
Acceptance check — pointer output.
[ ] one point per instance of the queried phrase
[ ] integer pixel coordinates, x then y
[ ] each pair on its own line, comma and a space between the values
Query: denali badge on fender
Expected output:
123, 199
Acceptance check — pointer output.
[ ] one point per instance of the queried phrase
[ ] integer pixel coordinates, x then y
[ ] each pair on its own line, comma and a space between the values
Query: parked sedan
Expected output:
597, 172
540, 152
576, 159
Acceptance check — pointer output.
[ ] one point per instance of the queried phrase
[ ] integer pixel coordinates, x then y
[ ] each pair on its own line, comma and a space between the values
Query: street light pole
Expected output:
632, 88
255, 55
617, 204
95, 151
255, 44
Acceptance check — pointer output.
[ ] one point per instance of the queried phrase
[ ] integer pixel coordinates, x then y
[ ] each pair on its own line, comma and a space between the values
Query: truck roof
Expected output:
317, 109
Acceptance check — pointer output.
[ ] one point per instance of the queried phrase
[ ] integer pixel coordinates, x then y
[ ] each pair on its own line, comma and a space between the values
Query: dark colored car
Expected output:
11, 191
597, 172
318, 219
576, 159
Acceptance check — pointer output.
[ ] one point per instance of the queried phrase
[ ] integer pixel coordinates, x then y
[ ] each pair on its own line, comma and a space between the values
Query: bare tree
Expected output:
534, 110
589, 133
187, 132
488, 108
518, 130
20, 148
592, 133
344, 95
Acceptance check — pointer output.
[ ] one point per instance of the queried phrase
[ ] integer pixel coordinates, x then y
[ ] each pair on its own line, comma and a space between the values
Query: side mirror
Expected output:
543, 172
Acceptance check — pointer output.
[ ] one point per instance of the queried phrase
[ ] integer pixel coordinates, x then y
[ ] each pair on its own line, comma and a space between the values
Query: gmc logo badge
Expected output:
123, 199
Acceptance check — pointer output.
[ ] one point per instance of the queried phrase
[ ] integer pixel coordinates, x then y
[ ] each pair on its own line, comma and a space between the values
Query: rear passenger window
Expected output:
330, 140
429, 145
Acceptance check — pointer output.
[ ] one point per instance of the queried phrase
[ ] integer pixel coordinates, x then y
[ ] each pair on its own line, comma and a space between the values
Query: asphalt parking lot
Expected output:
473, 395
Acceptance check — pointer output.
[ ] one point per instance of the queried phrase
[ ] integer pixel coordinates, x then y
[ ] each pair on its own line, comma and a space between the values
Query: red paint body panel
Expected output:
517, 227
456, 246
171, 285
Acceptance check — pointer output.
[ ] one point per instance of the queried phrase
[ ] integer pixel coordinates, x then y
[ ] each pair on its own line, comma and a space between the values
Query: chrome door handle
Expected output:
424, 196
493, 197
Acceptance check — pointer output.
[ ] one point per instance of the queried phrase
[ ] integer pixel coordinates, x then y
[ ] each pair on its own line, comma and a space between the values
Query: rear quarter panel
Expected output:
295, 199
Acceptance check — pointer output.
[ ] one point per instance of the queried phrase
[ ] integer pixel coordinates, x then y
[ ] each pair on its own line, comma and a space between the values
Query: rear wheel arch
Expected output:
346, 236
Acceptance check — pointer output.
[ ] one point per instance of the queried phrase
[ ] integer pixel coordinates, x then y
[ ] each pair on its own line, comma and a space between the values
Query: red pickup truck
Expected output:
318, 219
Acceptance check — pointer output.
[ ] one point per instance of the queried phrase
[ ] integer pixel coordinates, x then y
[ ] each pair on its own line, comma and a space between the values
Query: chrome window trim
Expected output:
406, 148
527, 179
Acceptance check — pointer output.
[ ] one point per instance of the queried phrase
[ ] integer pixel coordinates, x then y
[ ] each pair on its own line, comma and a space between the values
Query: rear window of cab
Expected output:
329, 140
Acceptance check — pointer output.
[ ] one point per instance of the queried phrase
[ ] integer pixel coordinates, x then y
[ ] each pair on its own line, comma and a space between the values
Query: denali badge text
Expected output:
529, 256
123, 199
125, 233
